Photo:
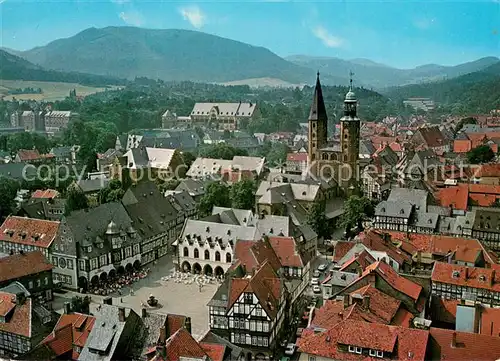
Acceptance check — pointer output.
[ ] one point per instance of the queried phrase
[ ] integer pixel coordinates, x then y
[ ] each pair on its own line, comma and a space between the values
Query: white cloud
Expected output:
194, 15
131, 18
327, 38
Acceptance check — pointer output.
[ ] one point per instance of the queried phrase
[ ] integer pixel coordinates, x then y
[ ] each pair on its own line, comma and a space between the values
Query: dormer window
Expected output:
355, 349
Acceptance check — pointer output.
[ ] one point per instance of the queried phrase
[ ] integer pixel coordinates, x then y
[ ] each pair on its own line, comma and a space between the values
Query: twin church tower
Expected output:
339, 161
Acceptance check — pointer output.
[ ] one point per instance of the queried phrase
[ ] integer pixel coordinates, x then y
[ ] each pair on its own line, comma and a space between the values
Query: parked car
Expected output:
315, 281
322, 267
316, 289
290, 349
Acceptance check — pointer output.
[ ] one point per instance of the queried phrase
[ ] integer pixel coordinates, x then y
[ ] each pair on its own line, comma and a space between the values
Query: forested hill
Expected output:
13, 67
168, 54
477, 92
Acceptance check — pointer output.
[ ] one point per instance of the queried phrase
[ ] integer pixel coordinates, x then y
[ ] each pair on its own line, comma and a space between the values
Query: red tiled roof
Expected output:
467, 346
214, 351
364, 259
375, 241
403, 343
72, 329
46, 194
20, 265
174, 323
490, 321
462, 145
28, 154
19, 321
432, 136
264, 284
456, 197
284, 247
487, 170
381, 304
398, 282
296, 157
60, 341
484, 278
464, 249
341, 249
444, 310
396, 146
402, 318
251, 254
329, 314
29, 231
182, 344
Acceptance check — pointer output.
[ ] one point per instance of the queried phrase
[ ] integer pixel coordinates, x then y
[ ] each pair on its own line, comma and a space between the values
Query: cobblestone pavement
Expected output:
176, 298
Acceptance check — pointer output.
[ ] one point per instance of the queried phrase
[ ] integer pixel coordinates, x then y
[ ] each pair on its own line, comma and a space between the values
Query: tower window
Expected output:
314, 125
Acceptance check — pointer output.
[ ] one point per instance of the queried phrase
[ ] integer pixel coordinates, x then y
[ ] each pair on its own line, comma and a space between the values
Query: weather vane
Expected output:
351, 74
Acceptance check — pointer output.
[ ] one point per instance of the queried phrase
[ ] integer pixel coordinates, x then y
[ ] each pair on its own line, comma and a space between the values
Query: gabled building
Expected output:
30, 269
430, 138
102, 242
458, 282
23, 324
357, 340
113, 334
67, 339
153, 217
383, 277
250, 311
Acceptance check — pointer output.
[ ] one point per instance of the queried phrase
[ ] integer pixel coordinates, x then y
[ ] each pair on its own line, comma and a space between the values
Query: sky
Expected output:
400, 33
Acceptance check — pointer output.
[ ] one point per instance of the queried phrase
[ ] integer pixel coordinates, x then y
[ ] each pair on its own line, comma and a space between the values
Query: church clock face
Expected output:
62, 263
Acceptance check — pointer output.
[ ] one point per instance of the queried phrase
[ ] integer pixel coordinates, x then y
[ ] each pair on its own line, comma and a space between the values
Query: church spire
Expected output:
318, 109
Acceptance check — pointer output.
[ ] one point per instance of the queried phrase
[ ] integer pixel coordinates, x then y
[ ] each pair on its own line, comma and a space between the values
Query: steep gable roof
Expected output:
21, 265
29, 231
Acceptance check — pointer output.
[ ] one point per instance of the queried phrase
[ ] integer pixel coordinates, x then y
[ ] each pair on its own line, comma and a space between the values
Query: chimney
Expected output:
419, 257
346, 301
107, 301
144, 313
366, 302
466, 273
161, 347
187, 324
121, 314
20, 298
67, 308
163, 335
454, 340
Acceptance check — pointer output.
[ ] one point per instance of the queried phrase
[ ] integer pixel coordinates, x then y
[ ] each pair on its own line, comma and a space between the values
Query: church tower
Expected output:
350, 133
317, 124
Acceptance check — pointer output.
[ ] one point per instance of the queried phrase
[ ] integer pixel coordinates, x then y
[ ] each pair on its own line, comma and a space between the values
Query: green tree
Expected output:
80, 304
316, 218
112, 193
75, 200
8, 192
277, 154
188, 158
243, 194
216, 194
355, 210
221, 151
481, 154
168, 185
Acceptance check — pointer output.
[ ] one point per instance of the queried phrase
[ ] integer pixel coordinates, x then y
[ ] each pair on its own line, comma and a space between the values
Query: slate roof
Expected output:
416, 197
21, 265
107, 332
398, 209
193, 186
89, 227
148, 209
17, 170
92, 185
